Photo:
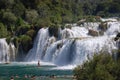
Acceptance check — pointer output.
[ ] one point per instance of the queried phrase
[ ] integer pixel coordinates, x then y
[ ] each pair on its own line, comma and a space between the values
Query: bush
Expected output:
22, 29
44, 22
26, 42
101, 67
31, 16
53, 30
30, 33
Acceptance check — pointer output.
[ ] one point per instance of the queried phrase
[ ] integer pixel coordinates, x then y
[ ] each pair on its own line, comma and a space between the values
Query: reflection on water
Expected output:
28, 71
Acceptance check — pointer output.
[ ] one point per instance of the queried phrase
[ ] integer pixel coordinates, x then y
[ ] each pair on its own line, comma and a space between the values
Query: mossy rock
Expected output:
103, 26
101, 33
31, 33
93, 32
53, 30
59, 45
81, 22
16, 41
117, 37
68, 26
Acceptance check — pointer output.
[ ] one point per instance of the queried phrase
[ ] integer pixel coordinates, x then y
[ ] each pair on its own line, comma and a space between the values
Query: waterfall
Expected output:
7, 52
74, 46
40, 45
12, 52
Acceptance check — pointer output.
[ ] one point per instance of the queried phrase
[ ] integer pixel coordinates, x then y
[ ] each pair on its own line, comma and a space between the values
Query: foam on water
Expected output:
32, 63
67, 67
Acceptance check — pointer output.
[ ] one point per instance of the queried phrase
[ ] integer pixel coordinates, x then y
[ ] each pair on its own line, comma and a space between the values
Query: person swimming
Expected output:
11, 78
38, 63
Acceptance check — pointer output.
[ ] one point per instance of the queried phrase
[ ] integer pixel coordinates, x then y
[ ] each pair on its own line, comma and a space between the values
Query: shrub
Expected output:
22, 29
53, 30
101, 67
26, 42
30, 33
43, 22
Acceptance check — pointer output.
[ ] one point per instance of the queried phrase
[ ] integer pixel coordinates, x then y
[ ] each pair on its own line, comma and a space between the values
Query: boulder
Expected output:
93, 32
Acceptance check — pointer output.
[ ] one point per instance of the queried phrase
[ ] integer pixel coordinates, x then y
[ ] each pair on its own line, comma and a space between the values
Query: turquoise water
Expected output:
42, 73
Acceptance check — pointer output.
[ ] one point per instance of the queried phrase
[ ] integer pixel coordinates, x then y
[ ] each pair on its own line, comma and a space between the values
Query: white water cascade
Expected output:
7, 52
74, 46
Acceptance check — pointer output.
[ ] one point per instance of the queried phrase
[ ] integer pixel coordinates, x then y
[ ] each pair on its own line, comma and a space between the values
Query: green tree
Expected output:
7, 4
9, 18
31, 16
18, 8
101, 67
3, 31
43, 10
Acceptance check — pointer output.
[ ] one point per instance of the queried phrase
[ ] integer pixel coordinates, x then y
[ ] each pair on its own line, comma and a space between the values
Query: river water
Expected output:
26, 71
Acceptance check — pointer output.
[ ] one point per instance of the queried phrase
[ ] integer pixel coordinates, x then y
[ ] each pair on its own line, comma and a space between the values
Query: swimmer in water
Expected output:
38, 63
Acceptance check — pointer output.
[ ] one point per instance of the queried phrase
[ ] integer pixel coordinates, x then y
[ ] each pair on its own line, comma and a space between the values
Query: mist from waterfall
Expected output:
74, 45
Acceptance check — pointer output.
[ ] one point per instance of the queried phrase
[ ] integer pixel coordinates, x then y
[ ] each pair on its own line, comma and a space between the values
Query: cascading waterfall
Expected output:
12, 52
7, 52
74, 46
4, 56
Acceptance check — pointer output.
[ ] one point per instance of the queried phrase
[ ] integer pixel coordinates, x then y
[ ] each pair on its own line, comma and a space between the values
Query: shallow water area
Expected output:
21, 70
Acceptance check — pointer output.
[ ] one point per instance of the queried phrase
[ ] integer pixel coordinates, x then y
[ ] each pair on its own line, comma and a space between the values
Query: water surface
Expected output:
44, 72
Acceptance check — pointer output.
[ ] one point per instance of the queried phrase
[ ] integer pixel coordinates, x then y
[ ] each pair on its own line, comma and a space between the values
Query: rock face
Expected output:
117, 38
73, 45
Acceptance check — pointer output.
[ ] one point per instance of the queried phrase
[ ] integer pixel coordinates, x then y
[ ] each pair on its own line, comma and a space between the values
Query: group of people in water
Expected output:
26, 76
31, 77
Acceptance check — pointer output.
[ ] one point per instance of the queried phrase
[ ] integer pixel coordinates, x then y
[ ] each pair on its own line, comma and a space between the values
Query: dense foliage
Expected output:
25, 17
101, 67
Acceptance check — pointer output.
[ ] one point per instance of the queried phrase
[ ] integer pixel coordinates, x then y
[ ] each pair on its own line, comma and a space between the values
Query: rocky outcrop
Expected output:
93, 32
103, 26
81, 22
117, 37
